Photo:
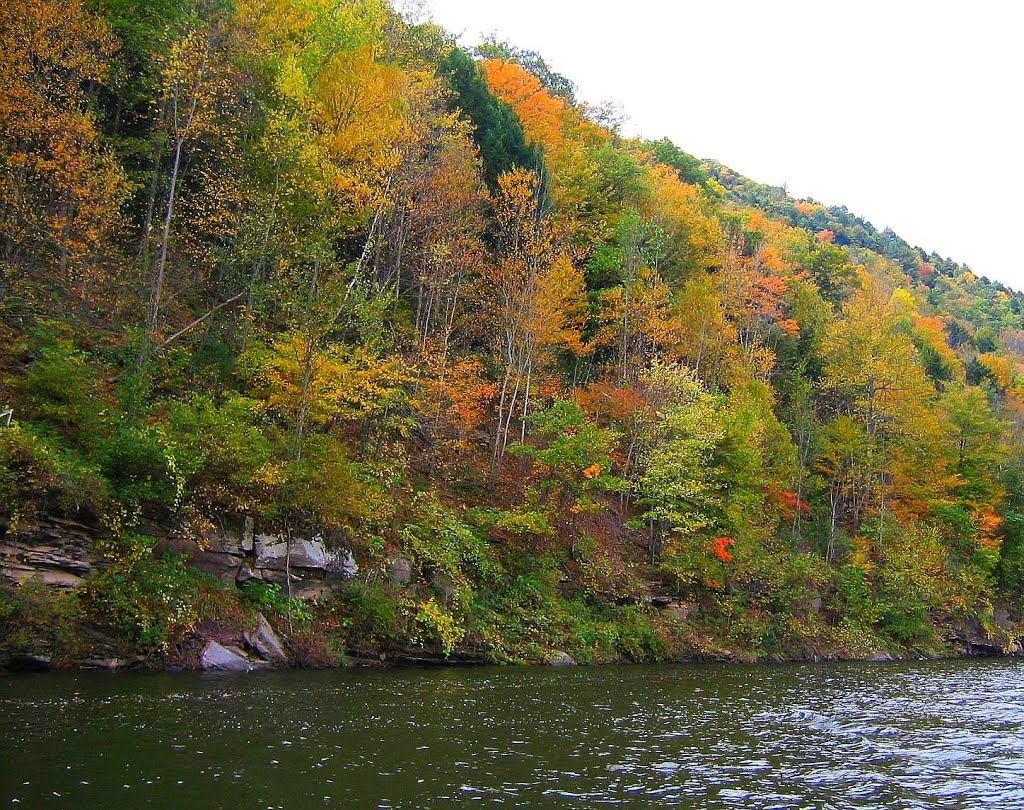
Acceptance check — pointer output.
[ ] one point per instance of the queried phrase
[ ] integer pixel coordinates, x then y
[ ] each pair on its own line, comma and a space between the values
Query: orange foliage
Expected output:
988, 525
605, 399
925, 271
462, 393
720, 548
542, 114
60, 190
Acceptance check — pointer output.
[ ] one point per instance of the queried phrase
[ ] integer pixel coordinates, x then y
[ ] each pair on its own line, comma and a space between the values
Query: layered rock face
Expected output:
62, 553
50, 551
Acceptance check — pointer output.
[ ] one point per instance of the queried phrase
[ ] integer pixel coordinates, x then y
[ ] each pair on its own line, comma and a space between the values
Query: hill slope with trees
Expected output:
314, 265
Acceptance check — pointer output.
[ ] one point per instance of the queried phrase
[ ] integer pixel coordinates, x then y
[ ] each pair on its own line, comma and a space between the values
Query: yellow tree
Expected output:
873, 379
540, 295
60, 190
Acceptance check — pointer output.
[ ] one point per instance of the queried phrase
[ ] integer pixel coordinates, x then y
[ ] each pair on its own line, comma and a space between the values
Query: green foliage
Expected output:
444, 545
154, 601
139, 463
497, 131
268, 598
60, 387
687, 165
37, 473
220, 451
573, 454
372, 613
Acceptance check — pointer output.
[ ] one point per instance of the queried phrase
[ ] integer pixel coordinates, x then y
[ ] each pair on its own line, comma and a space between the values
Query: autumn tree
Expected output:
60, 188
539, 296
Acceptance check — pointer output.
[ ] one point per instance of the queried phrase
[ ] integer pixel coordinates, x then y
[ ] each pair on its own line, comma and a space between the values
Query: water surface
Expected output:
928, 735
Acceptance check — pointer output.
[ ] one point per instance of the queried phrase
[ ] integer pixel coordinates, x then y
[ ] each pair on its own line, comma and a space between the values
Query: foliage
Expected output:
313, 264
151, 600
268, 599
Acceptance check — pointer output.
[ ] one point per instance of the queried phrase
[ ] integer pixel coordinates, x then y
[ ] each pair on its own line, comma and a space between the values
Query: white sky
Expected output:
909, 113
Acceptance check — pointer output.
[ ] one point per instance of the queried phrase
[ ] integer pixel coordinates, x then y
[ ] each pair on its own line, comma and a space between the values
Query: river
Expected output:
922, 735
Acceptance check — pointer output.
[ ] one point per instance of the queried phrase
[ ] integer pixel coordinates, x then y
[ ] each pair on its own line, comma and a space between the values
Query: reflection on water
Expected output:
929, 735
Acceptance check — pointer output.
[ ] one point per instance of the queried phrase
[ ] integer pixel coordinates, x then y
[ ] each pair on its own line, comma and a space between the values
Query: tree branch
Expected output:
199, 320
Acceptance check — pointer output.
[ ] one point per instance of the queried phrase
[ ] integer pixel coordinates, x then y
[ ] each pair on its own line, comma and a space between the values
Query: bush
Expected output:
441, 625
268, 598
34, 473
222, 455
153, 601
906, 624
372, 612
137, 461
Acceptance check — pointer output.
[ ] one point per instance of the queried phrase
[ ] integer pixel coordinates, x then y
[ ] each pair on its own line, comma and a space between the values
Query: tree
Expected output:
539, 296
60, 188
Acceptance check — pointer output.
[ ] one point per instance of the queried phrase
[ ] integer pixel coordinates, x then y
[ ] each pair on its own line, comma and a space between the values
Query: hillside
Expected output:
312, 277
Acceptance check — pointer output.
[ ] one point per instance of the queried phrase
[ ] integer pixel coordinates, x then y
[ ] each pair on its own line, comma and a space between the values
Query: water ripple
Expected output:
924, 735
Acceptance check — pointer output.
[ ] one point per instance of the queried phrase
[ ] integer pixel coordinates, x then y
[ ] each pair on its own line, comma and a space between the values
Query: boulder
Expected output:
559, 658
265, 642
216, 656
245, 574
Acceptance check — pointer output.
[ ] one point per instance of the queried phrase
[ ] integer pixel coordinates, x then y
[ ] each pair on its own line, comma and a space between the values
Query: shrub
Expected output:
268, 598
440, 624
372, 612
152, 601
34, 473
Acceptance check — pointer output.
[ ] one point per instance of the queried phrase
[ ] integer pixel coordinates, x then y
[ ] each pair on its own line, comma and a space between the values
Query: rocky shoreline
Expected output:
59, 555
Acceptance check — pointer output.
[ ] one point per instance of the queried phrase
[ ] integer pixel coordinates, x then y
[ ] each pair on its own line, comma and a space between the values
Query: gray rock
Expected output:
559, 658
265, 642
101, 663
272, 552
247, 535
399, 570
245, 573
216, 656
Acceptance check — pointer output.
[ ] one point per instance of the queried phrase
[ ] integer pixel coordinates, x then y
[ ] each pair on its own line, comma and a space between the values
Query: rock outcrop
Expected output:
61, 553
238, 553
49, 551
217, 657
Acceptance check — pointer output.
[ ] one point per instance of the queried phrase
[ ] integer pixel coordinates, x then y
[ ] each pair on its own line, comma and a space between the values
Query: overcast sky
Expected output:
909, 113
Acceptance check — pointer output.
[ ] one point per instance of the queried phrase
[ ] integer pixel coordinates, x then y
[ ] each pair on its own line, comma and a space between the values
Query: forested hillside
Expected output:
308, 263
